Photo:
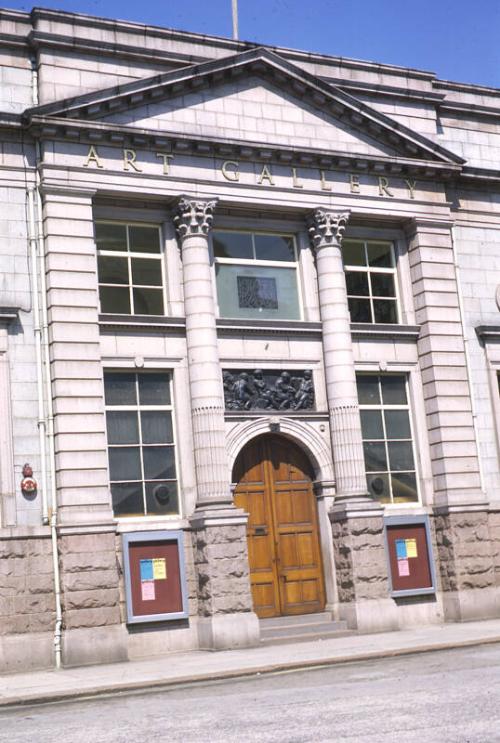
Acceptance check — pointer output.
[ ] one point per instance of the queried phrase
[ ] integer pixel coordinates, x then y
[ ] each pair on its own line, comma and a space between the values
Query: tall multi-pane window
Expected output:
370, 274
387, 437
141, 446
130, 269
256, 275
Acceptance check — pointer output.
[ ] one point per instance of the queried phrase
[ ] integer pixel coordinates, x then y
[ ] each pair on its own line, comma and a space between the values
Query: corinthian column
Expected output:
220, 551
193, 222
326, 230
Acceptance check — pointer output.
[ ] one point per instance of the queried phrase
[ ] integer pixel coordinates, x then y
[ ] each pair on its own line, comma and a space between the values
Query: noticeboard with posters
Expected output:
155, 579
409, 555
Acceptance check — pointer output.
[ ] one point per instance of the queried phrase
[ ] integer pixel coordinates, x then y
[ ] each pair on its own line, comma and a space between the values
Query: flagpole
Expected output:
235, 19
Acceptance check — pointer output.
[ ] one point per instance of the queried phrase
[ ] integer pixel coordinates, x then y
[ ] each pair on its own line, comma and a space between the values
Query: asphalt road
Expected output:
449, 696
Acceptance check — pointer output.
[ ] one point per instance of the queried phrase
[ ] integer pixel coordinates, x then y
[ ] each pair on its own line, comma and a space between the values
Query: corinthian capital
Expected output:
326, 228
193, 217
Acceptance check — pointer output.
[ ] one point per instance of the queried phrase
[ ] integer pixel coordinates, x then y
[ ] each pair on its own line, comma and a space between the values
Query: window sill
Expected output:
141, 323
375, 331
285, 327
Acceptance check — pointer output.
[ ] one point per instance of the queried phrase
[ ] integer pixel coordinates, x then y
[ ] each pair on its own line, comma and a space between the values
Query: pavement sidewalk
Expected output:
198, 666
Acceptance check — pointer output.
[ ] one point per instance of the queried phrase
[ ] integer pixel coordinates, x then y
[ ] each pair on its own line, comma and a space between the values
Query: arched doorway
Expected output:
274, 486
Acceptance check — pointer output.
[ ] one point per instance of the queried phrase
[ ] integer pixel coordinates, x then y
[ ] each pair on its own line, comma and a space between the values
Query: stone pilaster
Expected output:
219, 534
465, 549
92, 628
357, 524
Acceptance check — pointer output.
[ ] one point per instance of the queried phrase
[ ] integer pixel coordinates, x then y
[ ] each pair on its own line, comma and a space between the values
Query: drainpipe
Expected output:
467, 358
50, 420
42, 422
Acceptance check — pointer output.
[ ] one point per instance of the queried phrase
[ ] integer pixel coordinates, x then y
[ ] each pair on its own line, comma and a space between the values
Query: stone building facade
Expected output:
250, 295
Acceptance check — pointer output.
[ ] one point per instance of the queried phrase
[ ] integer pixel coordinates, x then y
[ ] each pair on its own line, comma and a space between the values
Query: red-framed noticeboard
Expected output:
409, 555
155, 581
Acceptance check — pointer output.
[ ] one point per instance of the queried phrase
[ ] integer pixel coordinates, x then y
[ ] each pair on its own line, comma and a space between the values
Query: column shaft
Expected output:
326, 231
207, 397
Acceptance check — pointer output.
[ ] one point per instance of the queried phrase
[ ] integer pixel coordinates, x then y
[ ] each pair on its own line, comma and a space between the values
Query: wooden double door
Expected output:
274, 486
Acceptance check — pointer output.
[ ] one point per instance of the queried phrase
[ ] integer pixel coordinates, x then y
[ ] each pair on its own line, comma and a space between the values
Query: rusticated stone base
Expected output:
467, 564
362, 582
90, 599
223, 581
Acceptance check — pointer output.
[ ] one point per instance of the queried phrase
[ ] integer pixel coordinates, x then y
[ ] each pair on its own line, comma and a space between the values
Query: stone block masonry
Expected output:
221, 562
27, 603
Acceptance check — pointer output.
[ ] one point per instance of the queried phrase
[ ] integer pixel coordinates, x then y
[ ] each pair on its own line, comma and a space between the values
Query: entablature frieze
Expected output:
96, 133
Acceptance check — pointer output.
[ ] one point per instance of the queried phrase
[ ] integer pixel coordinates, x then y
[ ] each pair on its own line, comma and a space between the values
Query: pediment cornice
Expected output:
261, 62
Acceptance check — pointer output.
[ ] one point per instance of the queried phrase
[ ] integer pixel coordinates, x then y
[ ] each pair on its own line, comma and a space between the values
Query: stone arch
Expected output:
300, 432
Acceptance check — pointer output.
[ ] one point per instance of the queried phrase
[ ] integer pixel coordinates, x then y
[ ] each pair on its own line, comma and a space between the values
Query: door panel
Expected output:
275, 488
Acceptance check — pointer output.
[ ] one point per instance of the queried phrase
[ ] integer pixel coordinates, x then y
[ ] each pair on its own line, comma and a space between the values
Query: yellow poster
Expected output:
411, 548
159, 568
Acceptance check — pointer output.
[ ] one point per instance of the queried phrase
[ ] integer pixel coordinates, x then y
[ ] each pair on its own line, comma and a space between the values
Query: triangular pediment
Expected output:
255, 97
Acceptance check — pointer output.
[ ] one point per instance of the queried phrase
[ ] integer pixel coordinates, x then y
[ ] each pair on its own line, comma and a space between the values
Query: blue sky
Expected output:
456, 39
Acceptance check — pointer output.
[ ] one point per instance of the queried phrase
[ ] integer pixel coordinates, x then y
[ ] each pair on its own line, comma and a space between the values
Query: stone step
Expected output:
313, 637
301, 628
322, 616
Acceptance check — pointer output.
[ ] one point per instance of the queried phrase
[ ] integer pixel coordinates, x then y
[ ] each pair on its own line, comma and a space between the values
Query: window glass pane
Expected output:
119, 389
393, 390
127, 499
380, 255
274, 248
397, 424
378, 487
154, 389
371, 424
146, 272
112, 269
400, 455
156, 427
404, 487
359, 310
161, 497
368, 391
115, 299
144, 239
385, 311
111, 236
122, 427
353, 254
382, 284
148, 301
232, 245
375, 458
159, 462
357, 283
125, 463
257, 292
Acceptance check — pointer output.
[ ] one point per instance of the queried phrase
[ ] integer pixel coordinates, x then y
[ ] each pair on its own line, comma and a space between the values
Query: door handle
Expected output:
260, 531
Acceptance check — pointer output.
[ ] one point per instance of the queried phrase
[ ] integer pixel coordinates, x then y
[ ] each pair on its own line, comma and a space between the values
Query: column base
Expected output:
466, 552
225, 615
226, 631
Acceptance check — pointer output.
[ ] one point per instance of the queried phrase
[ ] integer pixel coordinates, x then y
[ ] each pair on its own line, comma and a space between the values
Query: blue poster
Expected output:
400, 549
147, 569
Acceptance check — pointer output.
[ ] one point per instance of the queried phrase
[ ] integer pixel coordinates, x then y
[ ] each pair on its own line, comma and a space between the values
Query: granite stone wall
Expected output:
26, 586
89, 581
221, 564
360, 559
465, 551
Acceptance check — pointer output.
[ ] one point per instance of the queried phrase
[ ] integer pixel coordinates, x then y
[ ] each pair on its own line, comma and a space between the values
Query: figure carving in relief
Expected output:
304, 397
